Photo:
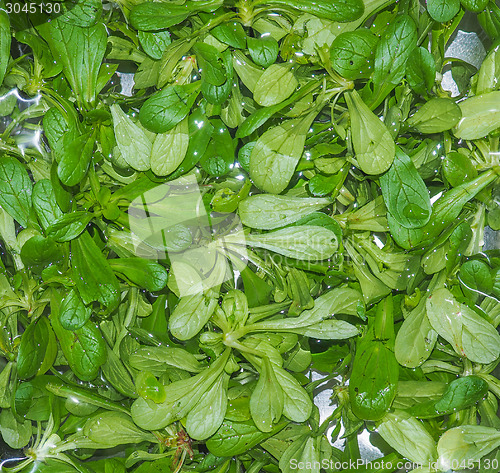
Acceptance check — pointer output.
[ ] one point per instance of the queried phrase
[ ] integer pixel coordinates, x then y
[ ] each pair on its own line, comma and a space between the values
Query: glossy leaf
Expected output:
405, 193
73, 314
372, 141
93, 276
15, 189
263, 51
166, 108
266, 402
468, 333
276, 84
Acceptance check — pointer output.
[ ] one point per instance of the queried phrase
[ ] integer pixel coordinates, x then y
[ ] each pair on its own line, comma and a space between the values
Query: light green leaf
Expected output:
469, 334
207, 416
306, 242
480, 116
15, 434
408, 437
276, 84
328, 330
415, 339
297, 405
169, 149
158, 360
459, 445
110, 429
266, 401
190, 315
487, 78
435, 116
135, 146
277, 152
267, 212
181, 397
303, 452
372, 141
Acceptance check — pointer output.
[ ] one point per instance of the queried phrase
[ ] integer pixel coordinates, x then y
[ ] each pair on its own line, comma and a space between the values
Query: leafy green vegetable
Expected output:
207, 206
15, 189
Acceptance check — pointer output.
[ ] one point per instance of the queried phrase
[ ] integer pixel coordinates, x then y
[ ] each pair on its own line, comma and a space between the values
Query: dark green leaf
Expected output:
81, 51
45, 203
235, 438
15, 189
39, 252
443, 10
154, 43
352, 54
5, 39
145, 273
232, 34
74, 157
73, 314
166, 108
33, 348
421, 70
263, 51
405, 193
92, 274
68, 226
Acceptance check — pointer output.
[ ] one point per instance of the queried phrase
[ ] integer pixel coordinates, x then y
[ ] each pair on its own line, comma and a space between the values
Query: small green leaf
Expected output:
133, 143
170, 148
458, 168
405, 193
263, 51
266, 401
5, 40
352, 54
421, 70
45, 203
39, 252
74, 157
83, 348
92, 274
68, 226
145, 273
33, 348
435, 116
73, 314
480, 116
190, 315
276, 84
372, 141
154, 43
15, 189
443, 10
231, 33
207, 416
166, 108
235, 438
409, 437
